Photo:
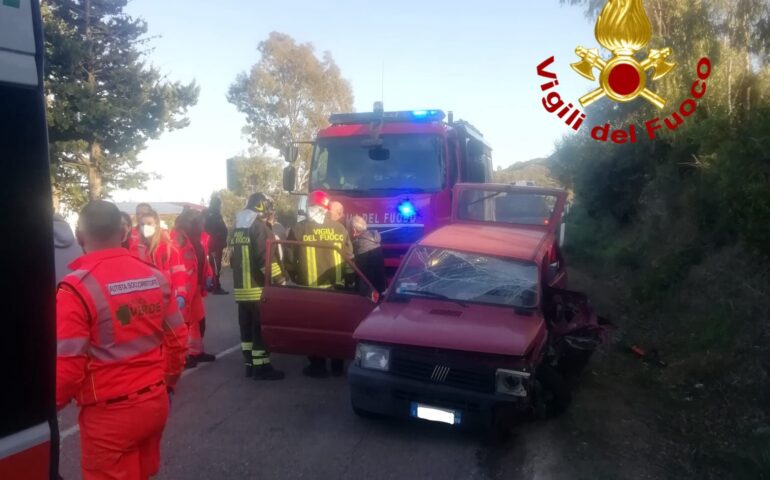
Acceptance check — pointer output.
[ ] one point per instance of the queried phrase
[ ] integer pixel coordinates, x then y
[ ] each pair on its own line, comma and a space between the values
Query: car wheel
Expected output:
573, 362
361, 413
553, 395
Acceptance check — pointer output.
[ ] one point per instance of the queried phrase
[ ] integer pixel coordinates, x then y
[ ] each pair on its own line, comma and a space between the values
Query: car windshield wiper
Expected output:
434, 295
486, 198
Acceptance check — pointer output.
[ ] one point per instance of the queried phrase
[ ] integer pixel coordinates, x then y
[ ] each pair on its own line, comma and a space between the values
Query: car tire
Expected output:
573, 362
361, 413
554, 394
499, 432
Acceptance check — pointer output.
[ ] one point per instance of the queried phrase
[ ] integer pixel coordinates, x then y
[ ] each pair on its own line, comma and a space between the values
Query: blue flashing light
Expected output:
403, 116
434, 115
406, 209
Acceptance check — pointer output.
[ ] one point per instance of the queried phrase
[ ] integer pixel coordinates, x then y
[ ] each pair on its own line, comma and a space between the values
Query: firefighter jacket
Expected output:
167, 259
319, 267
249, 244
119, 331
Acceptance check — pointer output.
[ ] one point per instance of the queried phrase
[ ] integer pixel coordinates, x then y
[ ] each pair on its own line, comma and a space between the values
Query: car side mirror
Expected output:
289, 178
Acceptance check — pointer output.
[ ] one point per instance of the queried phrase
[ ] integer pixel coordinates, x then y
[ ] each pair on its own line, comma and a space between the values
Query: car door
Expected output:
511, 205
303, 320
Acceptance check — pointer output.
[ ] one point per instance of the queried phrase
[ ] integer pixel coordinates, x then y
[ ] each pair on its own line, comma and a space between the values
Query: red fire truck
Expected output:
395, 169
28, 432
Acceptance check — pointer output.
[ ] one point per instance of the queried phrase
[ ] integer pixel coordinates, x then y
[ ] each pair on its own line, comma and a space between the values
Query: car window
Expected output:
468, 277
506, 207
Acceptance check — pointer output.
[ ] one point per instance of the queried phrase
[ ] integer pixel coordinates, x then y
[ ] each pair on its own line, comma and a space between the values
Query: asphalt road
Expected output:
224, 426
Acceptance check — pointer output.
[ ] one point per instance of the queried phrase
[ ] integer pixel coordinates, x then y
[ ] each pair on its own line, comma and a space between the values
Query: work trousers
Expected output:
122, 441
195, 319
252, 346
215, 260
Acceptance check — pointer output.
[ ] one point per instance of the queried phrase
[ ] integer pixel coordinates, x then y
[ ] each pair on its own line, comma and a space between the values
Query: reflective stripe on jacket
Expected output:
320, 267
248, 260
118, 329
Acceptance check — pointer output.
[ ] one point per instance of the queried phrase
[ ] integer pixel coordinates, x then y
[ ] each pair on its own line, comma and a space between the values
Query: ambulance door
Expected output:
303, 320
28, 438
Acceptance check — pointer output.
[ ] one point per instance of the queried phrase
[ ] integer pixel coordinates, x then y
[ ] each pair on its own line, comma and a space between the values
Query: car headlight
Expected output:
373, 357
511, 382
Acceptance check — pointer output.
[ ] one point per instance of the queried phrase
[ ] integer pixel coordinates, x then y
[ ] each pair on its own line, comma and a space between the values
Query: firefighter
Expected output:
321, 267
248, 263
120, 350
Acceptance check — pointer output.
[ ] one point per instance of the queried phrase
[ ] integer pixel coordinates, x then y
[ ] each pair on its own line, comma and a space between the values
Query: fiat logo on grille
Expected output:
440, 373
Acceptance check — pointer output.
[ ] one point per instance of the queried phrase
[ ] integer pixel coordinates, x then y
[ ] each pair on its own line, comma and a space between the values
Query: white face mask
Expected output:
148, 230
316, 214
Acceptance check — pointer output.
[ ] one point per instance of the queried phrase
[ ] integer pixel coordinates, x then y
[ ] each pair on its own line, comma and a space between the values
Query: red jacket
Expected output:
118, 329
189, 258
167, 259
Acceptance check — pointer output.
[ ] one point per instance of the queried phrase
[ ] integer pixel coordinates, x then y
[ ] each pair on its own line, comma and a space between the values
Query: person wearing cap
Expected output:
367, 248
249, 244
320, 267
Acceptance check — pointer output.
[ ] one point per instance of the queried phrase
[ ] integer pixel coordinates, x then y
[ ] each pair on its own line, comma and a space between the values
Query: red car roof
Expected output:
519, 243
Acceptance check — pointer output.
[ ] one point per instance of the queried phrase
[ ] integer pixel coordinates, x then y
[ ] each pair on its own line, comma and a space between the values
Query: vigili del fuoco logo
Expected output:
624, 29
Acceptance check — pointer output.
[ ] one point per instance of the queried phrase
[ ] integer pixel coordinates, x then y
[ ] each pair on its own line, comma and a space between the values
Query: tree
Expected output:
289, 94
260, 173
104, 101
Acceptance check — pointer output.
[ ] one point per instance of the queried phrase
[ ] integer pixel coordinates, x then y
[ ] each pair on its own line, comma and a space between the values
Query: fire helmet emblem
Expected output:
623, 28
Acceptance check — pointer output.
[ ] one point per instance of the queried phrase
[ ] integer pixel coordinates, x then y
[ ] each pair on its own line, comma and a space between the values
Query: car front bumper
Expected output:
386, 394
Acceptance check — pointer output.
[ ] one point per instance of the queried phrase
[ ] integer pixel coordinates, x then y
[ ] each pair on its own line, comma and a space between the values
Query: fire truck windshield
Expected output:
414, 164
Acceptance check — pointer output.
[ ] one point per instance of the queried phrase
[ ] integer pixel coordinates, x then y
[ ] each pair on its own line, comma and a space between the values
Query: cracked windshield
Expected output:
453, 275
401, 239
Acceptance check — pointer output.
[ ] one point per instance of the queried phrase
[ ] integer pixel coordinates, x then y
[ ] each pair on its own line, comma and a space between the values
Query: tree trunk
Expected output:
56, 199
95, 186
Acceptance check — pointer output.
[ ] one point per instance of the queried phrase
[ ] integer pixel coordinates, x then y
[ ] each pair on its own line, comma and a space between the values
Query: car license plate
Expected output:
435, 414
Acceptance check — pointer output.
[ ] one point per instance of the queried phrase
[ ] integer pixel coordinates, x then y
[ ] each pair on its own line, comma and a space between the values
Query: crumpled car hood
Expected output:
447, 325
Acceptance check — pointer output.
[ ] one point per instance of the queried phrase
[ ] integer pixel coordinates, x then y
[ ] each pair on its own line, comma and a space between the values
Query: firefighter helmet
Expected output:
259, 202
319, 198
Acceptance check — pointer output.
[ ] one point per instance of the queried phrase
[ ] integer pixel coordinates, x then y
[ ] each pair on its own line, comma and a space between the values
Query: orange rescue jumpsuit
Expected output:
194, 309
120, 344
167, 259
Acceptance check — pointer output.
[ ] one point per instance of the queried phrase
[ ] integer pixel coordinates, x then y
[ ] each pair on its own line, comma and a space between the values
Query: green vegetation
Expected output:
104, 101
289, 94
536, 170
676, 231
258, 173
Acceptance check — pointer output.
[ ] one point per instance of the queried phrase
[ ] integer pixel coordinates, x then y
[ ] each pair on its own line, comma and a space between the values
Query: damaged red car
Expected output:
476, 328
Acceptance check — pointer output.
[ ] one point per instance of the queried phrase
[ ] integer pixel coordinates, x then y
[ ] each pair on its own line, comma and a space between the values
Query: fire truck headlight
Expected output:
406, 209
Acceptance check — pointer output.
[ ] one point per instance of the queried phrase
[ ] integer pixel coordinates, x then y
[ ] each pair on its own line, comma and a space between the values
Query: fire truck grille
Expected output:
444, 369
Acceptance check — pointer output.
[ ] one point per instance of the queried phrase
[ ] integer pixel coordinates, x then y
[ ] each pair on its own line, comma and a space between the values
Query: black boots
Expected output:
203, 357
190, 362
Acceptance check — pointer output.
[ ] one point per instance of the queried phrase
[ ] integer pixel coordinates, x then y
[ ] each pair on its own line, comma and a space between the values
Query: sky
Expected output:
477, 59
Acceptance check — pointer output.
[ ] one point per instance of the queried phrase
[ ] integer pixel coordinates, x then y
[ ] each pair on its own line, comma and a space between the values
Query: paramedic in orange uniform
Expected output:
186, 235
120, 350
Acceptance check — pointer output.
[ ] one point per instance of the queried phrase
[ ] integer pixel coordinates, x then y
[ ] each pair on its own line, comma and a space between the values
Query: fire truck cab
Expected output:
395, 169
